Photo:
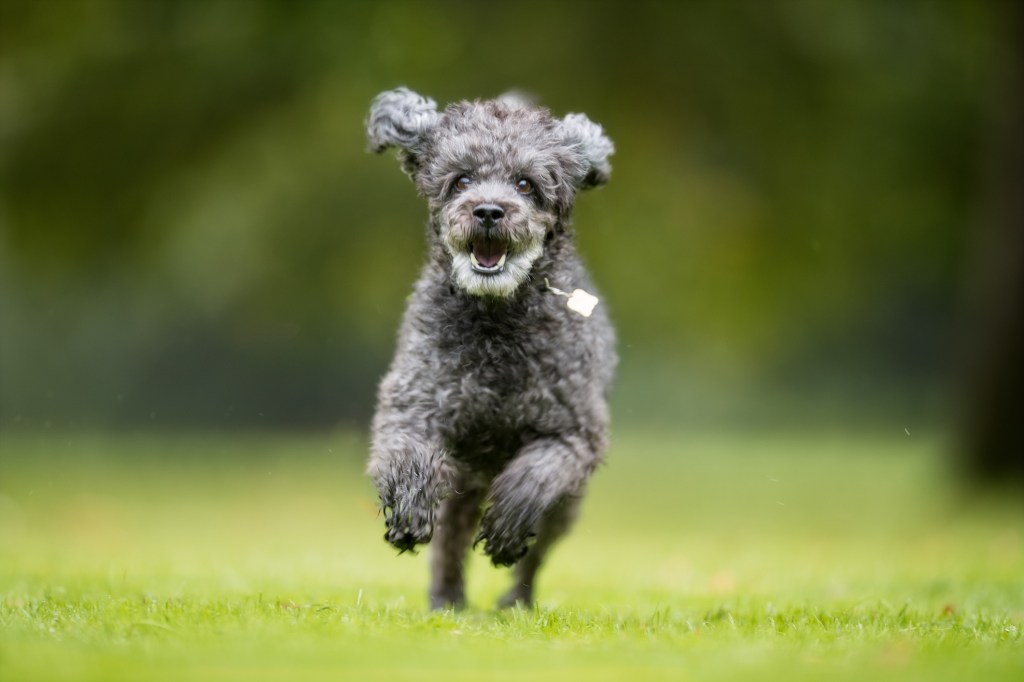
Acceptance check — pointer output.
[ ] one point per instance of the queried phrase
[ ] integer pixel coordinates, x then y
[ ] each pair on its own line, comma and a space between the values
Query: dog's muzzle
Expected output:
487, 253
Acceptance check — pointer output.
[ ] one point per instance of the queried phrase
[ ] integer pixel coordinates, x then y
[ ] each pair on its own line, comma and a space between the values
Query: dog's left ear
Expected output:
401, 118
589, 140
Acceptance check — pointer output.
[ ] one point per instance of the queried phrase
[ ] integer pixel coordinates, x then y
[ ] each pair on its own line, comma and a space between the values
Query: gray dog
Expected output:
496, 400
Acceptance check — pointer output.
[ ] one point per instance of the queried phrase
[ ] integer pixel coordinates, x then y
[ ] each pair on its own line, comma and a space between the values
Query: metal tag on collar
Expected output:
579, 301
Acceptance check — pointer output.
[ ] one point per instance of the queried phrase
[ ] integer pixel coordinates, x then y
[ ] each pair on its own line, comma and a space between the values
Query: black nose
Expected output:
488, 214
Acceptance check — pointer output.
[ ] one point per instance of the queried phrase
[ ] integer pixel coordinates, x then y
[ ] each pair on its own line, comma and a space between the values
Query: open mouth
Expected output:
487, 256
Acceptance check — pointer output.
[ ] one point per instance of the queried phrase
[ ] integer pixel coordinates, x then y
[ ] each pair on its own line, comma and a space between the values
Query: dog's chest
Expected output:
485, 376
495, 389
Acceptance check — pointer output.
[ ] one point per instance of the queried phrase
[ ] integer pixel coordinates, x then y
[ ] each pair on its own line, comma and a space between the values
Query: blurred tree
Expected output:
992, 438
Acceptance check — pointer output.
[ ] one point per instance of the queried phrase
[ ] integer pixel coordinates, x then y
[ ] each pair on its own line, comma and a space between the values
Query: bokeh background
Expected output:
808, 224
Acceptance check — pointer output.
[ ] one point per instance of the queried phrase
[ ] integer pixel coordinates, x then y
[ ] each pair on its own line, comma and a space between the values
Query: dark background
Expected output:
192, 234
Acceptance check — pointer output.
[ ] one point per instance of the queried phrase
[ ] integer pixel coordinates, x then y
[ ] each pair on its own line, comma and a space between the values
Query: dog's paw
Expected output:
519, 596
410, 489
409, 521
453, 599
505, 542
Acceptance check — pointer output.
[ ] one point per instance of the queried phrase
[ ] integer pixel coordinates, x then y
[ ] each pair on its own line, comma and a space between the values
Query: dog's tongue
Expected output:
488, 252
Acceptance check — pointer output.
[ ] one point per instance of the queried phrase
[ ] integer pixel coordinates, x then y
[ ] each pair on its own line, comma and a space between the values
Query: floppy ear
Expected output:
401, 118
589, 140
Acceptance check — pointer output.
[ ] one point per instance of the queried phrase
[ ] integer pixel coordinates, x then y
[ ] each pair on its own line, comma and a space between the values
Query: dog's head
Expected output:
500, 176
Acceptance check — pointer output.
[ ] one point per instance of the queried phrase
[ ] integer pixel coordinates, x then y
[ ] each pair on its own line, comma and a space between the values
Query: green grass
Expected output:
715, 557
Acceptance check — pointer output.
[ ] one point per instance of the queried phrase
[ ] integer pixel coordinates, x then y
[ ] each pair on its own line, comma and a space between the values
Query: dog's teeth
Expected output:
501, 262
473, 260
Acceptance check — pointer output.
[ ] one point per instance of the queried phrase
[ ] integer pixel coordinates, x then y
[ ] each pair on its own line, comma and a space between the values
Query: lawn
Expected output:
698, 556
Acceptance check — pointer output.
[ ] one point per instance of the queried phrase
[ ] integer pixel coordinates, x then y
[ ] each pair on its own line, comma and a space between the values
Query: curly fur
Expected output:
494, 412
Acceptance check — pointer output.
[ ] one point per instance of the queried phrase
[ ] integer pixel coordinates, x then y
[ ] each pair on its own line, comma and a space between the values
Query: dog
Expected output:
494, 412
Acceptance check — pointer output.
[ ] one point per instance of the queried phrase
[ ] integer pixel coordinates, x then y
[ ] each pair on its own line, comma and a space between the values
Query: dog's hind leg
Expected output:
456, 523
552, 526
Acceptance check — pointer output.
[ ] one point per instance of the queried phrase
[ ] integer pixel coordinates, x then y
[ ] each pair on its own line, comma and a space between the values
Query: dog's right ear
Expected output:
401, 118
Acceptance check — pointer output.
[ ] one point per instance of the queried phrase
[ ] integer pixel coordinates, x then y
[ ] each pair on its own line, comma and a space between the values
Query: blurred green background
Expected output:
193, 235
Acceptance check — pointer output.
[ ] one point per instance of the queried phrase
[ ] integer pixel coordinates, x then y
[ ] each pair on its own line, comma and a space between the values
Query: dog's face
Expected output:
499, 177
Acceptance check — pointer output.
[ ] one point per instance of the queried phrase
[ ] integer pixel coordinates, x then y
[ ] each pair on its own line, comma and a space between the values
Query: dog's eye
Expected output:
524, 186
463, 183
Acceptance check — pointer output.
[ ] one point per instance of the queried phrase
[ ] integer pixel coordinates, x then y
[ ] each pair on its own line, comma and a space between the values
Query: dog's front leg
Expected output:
542, 475
412, 476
